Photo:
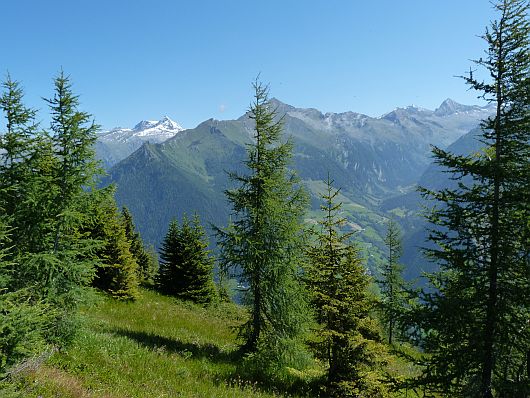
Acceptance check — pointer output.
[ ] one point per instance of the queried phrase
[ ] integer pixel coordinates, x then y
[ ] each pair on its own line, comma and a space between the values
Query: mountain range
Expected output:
371, 159
116, 144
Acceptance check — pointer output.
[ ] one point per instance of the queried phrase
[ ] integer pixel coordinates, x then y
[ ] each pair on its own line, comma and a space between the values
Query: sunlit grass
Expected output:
160, 347
154, 347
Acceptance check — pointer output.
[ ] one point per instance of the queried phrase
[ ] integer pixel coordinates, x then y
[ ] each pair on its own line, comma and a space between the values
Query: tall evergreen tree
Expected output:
265, 241
393, 287
74, 136
186, 267
44, 184
349, 340
17, 148
169, 258
147, 263
23, 320
477, 318
64, 266
17, 139
117, 269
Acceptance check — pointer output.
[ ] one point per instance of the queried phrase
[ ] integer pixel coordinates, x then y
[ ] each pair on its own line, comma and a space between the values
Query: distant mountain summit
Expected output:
449, 107
146, 130
370, 158
118, 143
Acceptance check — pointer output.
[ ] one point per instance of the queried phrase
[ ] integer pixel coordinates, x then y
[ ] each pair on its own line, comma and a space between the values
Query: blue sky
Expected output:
193, 60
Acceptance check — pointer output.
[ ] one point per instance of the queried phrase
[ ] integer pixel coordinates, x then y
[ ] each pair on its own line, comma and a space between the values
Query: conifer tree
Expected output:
74, 136
20, 127
169, 258
147, 264
393, 287
64, 266
265, 241
186, 267
117, 269
17, 149
22, 319
349, 340
44, 178
476, 321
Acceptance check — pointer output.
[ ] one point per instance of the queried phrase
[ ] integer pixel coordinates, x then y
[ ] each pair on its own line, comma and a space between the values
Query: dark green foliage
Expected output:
25, 175
394, 291
16, 146
186, 267
65, 266
117, 269
264, 243
21, 328
45, 178
476, 321
74, 135
348, 339
21, 320
146, 260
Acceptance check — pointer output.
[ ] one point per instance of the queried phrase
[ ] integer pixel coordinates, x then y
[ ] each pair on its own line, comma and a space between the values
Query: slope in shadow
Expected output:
194, 350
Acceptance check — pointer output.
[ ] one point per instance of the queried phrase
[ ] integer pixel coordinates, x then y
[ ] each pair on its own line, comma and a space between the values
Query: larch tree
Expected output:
74, 136
23, 319
17, 149
348, 338
264, 244
65, 264
476, 318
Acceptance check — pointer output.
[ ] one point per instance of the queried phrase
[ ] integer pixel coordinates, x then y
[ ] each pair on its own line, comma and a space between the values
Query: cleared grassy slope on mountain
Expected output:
155, 347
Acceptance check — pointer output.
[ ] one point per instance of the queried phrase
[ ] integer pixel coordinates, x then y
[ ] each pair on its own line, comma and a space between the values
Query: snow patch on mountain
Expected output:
154, 131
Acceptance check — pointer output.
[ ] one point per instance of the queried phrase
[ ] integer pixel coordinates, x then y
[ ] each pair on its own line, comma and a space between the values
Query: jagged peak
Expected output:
449, 106
280, 106
166, 122
145, 124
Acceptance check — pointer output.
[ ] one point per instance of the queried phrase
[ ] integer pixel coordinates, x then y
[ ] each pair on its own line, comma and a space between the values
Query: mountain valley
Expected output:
162, 171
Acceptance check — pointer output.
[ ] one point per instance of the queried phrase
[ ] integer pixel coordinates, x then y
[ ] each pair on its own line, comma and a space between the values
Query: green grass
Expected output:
160, 347
154, 347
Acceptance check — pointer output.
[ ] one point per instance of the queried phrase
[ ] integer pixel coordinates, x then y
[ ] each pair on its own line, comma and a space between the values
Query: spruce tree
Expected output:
74, 136
169, 255
186, 267
476, 319
264, 244
394, 290
349, 339
117, 269
45, 178
17, 153
23, 319
64, 266
147, 264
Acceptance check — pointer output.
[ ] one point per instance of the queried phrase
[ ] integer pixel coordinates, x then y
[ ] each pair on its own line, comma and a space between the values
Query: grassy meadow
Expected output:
154, 347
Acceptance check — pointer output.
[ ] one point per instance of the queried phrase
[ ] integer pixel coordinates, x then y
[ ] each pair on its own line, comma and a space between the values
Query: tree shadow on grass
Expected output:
185, 349
242, 376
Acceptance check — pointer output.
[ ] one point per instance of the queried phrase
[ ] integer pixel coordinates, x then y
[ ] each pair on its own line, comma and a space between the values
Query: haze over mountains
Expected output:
163, 171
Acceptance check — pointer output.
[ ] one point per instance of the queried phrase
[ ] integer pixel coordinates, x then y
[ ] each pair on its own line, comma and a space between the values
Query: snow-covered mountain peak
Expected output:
167, 123
144, 124
146, 130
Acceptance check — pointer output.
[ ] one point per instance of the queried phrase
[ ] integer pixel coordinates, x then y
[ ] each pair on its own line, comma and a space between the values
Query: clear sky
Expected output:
195, 59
